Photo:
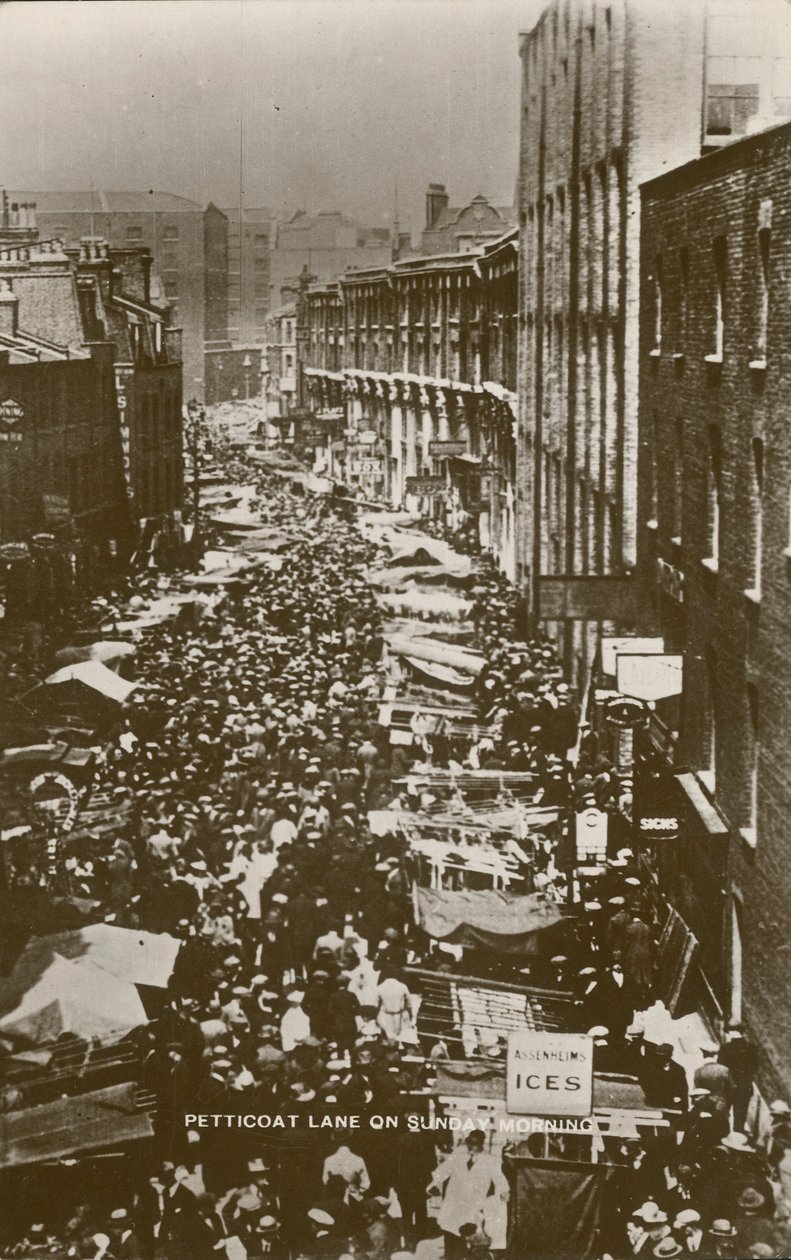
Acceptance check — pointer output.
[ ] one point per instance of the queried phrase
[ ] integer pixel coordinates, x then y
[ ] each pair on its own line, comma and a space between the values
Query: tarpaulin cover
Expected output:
558, 1210
58, 1130
73, 997
128, 954
97, 677
471, 1080
499, 920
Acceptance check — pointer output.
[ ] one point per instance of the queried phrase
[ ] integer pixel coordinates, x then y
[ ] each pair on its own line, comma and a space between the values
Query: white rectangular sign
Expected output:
549, 1074
361, 467
612, 645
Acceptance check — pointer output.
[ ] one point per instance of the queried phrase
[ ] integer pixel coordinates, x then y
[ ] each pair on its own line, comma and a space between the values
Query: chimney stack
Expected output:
436, 201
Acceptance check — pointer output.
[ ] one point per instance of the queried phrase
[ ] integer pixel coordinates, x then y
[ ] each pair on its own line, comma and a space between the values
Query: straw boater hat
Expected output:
722, 1229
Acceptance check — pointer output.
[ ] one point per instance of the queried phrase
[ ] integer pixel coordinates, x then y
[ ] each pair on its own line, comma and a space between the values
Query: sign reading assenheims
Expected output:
549, 1074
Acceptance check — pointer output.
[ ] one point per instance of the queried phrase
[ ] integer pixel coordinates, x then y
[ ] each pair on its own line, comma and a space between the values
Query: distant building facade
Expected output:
189, 246
328, 244
410, 372
250, 239
714, 541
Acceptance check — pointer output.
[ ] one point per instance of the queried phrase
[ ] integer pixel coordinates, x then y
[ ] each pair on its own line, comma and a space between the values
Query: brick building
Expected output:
114, 289
714, 540
328, 244
60, 450
613, 94
188, 243
419, 360
250, 237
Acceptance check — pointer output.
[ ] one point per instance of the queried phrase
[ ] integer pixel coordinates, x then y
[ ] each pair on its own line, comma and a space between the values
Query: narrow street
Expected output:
335, 802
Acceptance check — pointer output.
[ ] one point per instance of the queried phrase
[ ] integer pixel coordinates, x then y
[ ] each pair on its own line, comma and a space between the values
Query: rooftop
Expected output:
99, 201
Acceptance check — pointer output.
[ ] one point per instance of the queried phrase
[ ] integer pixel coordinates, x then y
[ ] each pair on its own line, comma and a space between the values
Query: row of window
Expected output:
671, 328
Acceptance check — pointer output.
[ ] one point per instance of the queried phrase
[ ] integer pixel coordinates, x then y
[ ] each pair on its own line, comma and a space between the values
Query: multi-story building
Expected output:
281, 366
61, 466
115, 293
417, 360
107, 470
189, 245
328, 244
250, 236
714, 540
613, 93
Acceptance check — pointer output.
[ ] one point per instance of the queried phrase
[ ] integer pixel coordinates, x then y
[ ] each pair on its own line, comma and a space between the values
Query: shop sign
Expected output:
11, 412
625, 712
591, 826
55, 798
367, 437
613, 645
659, 828
652, 676
426, 487
446, 449
328, 414
367, 467
549, 1074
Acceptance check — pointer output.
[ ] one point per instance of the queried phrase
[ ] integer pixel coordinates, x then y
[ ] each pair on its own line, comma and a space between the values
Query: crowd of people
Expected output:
244, 768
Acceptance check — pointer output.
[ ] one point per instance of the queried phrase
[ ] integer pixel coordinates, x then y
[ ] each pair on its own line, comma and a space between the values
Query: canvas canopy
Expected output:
129, 955
451, 655
106, 650
489, 918
74, 997
96, 677
69, 1126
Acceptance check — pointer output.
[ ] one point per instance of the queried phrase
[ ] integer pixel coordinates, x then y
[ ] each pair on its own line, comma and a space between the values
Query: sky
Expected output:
338, 102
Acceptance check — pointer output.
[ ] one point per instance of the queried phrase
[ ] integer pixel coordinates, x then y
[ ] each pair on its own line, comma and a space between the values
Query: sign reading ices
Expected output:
549, 1074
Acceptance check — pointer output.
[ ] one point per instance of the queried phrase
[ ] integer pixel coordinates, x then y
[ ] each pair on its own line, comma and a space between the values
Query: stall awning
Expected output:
70, 1126
708, 813
494, 920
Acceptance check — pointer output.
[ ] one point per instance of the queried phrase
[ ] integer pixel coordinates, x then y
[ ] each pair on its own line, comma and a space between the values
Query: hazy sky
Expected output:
341, 99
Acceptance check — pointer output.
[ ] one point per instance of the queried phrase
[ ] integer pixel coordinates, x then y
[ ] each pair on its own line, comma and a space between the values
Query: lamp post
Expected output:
247, 363
195, 416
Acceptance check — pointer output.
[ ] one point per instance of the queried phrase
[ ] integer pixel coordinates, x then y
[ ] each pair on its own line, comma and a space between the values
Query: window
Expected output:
678, 483
732, 94
708, 762
713, 486
756, 503
720, 251
658, 296
683, 296
753, 756
134, 232
762, 303
170, 232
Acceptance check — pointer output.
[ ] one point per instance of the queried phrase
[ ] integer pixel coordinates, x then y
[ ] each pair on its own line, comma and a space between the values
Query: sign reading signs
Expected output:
549, 1074
426, 487
446, 449
659, 827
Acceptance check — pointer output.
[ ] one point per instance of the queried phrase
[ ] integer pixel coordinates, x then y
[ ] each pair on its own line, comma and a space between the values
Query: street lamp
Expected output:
195, 417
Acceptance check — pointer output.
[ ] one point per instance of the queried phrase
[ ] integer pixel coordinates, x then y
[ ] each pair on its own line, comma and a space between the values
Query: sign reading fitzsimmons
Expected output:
549, 1074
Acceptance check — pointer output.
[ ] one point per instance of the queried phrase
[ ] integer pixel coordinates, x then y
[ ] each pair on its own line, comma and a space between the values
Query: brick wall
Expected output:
714, 505
610, 92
